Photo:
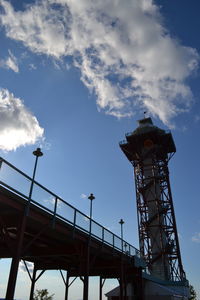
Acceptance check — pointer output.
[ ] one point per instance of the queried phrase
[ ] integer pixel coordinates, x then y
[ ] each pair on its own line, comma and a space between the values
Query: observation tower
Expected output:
149, 150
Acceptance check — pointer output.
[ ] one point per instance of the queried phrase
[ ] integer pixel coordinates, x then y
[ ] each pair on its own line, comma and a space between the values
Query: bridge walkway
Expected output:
45, 230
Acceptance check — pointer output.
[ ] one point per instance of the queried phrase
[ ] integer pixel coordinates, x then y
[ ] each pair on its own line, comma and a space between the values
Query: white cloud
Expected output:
125, 55
18, 126
32, 67
197, 118
196, 237
10, 62
50, 200
83, 196
44, 145
29, 265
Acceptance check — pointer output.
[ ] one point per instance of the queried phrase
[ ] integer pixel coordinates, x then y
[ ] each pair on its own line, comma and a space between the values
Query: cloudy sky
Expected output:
74, 78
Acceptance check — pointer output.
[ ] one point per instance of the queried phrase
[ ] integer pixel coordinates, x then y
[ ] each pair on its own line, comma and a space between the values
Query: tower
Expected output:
149, 150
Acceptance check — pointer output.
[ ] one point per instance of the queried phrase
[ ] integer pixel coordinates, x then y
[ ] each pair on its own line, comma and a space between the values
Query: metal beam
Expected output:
33, 281
101, 284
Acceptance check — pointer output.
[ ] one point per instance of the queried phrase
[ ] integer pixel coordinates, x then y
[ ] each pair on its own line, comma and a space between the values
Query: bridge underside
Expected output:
32, 234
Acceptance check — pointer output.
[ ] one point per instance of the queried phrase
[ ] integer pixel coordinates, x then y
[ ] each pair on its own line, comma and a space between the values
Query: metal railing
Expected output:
18, 182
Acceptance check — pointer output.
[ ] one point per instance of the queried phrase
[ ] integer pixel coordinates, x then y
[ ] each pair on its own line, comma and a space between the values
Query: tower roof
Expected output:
146, 126
147, 135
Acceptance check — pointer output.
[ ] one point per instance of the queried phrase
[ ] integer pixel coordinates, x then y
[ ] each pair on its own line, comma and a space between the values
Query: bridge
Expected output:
38, 226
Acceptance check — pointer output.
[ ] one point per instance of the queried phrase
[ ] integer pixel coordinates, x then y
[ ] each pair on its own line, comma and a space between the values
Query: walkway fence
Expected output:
18, 182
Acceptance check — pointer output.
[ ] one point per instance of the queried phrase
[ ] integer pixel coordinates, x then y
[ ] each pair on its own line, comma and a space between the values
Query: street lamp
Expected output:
37, 153
20, 237
121, 222
91, 198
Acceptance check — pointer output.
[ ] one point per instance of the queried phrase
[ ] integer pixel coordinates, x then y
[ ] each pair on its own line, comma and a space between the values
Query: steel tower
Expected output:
149, 150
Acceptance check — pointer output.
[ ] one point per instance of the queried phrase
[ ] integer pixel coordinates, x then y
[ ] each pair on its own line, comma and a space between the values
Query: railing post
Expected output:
54, 212
74, 224
74, 218
1, 160
55, 206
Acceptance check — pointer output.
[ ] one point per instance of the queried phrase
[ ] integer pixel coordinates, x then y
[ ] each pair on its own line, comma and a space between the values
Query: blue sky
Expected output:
75, 76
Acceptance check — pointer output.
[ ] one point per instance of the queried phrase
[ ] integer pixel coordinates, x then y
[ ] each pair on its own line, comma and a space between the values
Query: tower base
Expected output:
154, 289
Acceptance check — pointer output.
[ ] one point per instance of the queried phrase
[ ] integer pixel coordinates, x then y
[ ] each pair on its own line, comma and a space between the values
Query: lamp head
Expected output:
91, 197
37, 152
121, 222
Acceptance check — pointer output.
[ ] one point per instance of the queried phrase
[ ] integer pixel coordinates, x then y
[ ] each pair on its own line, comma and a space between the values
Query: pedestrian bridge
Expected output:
40, 227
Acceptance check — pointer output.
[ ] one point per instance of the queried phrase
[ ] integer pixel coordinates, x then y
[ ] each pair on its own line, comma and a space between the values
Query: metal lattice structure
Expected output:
149, 149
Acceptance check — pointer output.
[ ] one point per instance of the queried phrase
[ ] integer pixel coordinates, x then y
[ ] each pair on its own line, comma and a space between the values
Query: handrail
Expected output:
75, 212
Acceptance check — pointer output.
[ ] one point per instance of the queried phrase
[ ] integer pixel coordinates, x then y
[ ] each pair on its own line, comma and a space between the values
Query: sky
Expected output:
75, 76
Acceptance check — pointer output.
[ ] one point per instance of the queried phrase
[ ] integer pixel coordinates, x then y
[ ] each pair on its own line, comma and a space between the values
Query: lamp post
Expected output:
121, 222
91, 198
86, 277
37, 153
20, 237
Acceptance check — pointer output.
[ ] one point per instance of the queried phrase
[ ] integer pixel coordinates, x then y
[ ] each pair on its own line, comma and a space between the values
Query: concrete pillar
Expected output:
85, 287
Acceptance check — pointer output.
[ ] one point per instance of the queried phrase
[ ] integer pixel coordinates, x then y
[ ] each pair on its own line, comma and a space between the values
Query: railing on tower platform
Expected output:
19, 183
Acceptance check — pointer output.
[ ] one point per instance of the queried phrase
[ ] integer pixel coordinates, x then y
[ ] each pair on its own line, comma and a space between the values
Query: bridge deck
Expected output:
57, 235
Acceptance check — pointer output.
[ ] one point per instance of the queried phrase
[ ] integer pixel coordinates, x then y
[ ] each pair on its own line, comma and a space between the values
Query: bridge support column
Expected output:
101, 284
67, 286
15, 261
87, 270
33, 281
121, 289
85, 287
100, 288
121, 281
139, 287
125, 289
67, 283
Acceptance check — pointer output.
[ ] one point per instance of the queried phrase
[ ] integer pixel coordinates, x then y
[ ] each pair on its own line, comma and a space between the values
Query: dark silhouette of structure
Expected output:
149, 150
39, 227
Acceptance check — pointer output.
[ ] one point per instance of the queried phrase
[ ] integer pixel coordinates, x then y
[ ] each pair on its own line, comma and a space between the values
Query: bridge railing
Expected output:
18, 182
